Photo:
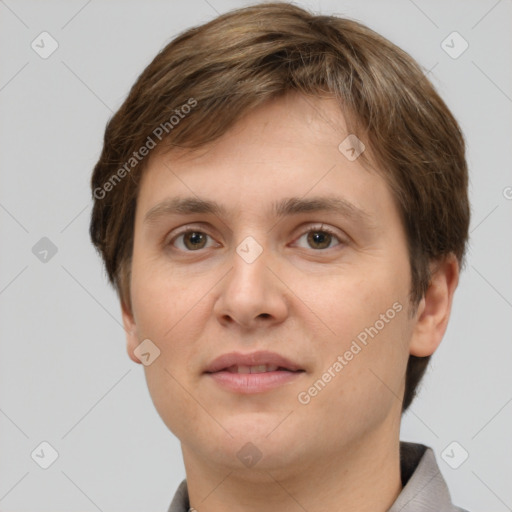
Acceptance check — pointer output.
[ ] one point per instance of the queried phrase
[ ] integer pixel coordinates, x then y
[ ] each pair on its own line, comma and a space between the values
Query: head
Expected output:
256, 107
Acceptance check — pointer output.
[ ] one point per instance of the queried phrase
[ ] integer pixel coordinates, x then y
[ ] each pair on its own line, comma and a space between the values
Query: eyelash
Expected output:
319, 229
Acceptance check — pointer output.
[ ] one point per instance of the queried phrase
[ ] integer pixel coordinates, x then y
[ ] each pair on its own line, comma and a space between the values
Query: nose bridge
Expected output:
250, 250
250, 292
249, 263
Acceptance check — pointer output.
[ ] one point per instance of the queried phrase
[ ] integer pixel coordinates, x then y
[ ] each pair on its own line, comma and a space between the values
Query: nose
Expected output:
252, 295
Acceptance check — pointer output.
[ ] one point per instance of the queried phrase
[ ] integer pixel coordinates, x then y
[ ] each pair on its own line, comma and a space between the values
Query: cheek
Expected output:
168, 315
161, 300
368, 378
369, 317
353, 300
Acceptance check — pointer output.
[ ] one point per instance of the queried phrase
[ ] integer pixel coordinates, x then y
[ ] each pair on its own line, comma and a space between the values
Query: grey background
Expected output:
65, 377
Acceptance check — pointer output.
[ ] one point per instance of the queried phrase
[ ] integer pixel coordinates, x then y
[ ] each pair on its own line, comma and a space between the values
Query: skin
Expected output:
298, 299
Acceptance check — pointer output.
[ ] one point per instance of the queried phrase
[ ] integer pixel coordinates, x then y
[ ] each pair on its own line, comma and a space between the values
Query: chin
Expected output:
252, 458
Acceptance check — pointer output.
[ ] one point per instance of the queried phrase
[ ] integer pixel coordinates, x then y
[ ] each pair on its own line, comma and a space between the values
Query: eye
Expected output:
320, 237
193, 240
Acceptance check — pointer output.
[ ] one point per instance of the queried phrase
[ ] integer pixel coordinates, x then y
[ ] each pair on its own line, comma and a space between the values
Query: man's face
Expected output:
246, 280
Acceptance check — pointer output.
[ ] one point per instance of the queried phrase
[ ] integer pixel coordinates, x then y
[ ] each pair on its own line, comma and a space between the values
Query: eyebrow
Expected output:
281, 208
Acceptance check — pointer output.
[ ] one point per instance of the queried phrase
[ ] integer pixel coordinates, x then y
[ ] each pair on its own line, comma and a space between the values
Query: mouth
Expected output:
252, 373
261, 368
253, 362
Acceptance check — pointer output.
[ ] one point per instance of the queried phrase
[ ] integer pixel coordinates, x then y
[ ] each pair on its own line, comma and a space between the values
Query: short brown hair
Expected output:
247, 56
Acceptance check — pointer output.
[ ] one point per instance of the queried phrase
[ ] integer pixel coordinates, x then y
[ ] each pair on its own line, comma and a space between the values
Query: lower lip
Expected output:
253, 382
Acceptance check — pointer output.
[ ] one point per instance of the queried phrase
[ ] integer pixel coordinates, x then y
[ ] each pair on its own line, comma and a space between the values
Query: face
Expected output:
318, 286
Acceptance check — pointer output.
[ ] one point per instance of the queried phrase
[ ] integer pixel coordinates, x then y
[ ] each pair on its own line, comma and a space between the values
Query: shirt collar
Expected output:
424, 488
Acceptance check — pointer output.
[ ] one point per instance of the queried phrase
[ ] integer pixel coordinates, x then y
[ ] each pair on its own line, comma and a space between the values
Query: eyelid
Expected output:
343, 240
186, 229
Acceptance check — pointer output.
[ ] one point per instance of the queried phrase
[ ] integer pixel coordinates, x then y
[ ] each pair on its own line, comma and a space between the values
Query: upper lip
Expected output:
251, 359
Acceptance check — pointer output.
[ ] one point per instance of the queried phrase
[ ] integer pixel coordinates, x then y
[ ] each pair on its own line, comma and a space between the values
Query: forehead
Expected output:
287, 147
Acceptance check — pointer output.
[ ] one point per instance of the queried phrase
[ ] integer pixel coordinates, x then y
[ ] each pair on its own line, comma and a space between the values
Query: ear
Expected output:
130, 327
434, 308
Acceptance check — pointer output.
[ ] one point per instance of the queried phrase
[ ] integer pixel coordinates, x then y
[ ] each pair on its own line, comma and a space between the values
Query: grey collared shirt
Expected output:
424, 488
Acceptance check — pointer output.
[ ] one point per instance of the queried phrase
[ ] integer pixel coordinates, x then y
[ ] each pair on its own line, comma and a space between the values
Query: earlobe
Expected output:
434, 309
130, 328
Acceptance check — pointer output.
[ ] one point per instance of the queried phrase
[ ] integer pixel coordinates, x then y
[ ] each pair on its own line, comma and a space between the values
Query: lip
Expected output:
248, 383
252, 359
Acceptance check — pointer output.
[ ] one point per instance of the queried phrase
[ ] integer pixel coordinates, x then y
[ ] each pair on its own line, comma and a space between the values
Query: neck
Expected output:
364, 477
